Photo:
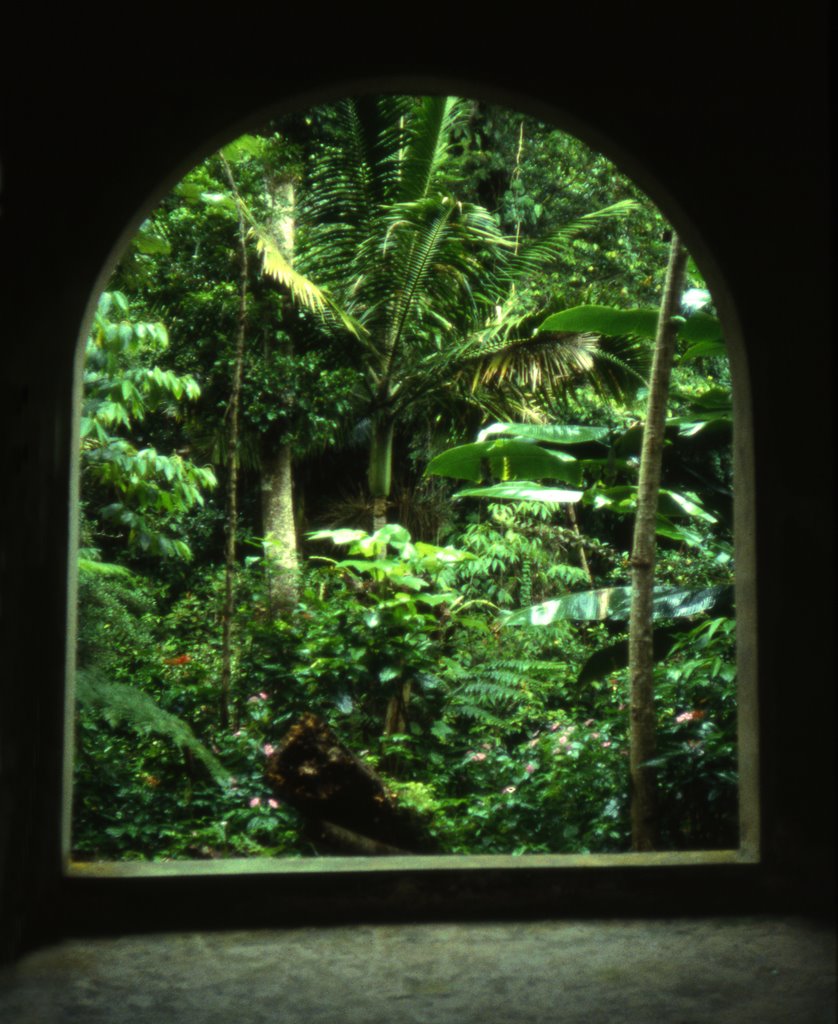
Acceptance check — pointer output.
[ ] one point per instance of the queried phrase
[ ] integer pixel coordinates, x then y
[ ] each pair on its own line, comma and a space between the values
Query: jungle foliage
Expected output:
444, 318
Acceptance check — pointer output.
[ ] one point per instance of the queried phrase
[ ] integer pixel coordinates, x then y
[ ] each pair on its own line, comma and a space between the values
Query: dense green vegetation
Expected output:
361, 427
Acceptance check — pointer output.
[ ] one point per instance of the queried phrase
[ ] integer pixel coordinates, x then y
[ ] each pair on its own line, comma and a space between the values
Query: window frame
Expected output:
419, 885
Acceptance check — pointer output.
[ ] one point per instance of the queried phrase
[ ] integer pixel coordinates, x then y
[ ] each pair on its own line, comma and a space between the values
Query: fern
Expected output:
491, 691
120, 704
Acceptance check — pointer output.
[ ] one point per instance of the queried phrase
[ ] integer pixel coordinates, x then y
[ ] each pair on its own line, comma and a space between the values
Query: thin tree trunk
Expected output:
233, 474
644, 809
279, 526
580, 543
380, 473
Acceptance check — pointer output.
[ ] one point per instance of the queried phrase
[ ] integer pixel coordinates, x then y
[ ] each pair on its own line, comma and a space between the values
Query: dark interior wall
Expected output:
724, 124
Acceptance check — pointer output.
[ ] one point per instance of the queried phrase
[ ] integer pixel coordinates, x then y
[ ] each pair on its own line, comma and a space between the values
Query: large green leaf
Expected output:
623, 499
549, 433
521, 490
515, 459
704, 350
615, 603
713, 409
637, 323
702, 329
633, 323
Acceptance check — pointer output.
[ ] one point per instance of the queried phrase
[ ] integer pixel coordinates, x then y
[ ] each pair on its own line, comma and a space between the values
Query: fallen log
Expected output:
347, 806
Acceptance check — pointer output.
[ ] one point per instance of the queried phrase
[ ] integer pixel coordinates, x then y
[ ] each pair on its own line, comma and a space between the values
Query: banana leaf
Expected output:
513, 459
614, 603
633, 323
548, 433
521, 490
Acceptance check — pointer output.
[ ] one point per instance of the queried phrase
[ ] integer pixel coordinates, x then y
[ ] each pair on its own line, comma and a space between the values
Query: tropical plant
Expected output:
426, 284
150, 491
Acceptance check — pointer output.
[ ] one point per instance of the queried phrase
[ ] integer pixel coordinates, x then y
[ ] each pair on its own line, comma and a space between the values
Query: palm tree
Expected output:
428, 286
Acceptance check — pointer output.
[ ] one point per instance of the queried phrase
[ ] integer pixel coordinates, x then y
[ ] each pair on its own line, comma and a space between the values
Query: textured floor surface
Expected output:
725, 971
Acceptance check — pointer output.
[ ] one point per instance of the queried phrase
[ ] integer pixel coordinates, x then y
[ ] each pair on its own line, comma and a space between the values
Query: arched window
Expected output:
270, 224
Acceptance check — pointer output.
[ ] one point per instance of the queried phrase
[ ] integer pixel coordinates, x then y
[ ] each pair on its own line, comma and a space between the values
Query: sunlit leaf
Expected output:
615, 603
521, 490
551, 433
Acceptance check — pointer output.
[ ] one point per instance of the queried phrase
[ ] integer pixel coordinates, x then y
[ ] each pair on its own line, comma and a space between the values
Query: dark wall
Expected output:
724, 123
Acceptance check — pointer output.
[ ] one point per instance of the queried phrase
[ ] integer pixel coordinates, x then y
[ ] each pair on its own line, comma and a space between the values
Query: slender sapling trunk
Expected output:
644, 809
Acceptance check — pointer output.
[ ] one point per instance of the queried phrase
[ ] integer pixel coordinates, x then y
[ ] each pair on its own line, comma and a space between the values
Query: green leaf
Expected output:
343, 536
521, 490
244, 146
505, 460
635, 323
615, 603
91, 567
702, 328
632, 323
220, 199
432, 600
150, 244
704, 350
189, 191
550, 433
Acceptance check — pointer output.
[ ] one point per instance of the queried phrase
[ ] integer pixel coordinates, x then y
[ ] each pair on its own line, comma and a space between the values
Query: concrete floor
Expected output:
725, 971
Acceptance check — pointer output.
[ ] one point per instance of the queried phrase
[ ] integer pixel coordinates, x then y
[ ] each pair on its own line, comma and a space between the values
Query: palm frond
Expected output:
120, 704
304, 292
554, 364
543, 253
430, 131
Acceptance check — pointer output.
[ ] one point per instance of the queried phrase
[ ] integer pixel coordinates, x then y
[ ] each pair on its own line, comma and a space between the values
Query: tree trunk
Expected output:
644, 811
279, 526
233, 474
380, 472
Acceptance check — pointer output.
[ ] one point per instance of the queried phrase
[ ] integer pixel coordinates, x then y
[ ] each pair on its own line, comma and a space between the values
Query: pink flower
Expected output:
564, 740
269, 749
595, 735
486, 746
533, 743
530, 768
554, 726
588, 723
263, 695
607, 743
273, 803
689, 716
255, 802
478, 757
